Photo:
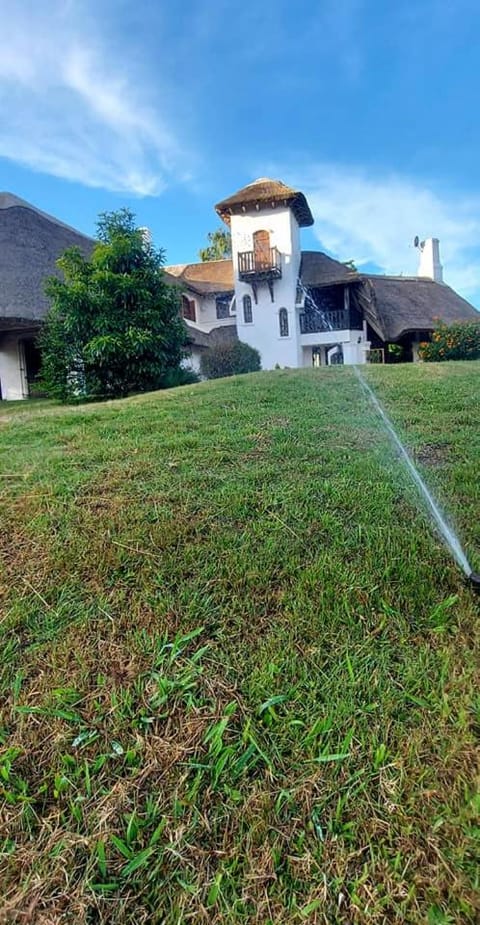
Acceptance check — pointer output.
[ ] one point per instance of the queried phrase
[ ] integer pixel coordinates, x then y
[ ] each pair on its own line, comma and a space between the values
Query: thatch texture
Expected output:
204, 278
317, 270
266, 194
222, 334
397, 305
30, 244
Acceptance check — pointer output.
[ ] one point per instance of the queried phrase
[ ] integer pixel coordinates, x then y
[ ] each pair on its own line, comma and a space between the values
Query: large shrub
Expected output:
459, 341
114, 324
229, 359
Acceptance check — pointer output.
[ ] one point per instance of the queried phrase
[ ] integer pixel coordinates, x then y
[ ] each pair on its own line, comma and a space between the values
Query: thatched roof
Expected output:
393, 305
317, 270
213, 276
30, 244
225, 333
396, 305
266, 194
204, 278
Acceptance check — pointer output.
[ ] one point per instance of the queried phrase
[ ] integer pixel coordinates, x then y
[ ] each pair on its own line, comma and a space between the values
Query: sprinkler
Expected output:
447, 533
474, 579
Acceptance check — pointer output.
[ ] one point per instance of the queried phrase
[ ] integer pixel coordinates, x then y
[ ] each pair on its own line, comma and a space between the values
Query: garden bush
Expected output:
459, 341
181, 375
229, 359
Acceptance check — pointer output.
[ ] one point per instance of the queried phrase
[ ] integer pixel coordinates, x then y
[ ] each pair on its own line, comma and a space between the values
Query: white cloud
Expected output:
70, 104
373, 218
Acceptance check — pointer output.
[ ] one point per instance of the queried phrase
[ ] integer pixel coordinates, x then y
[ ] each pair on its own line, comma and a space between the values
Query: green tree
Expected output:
114, 324
219, 247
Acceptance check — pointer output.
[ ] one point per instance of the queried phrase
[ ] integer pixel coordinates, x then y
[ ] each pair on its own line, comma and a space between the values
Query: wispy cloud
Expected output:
69, 101
373, 219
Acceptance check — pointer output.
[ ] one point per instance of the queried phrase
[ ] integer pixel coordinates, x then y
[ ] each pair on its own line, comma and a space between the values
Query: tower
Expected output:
265, 218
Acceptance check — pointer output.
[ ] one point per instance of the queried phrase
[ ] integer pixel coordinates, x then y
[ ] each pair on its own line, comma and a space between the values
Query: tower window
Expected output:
247, 310
188, 309
283, 322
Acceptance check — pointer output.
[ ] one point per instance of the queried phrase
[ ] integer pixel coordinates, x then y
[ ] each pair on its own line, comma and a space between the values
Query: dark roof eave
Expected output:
298, 205
10, 324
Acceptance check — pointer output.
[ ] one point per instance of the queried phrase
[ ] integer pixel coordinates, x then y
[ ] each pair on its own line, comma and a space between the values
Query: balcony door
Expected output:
261, 250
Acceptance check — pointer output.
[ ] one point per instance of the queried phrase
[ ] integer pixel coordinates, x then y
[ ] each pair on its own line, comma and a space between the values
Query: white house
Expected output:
302, 308
298, 308
30, 243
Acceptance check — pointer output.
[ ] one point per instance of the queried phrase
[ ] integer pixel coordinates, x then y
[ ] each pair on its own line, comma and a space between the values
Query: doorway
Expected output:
335, 356
31, 360
261, 250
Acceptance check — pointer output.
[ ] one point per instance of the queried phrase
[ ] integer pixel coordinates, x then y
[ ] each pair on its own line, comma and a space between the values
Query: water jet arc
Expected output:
446, 532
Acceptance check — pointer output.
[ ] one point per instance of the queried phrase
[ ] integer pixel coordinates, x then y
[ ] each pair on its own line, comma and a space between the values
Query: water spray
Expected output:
309, 302
446, 532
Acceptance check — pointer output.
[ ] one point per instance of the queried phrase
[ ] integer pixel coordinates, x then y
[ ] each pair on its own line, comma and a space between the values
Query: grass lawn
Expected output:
238, 667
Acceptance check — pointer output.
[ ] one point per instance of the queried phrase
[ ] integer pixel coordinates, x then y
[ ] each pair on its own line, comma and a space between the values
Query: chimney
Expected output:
430, 260
147, 236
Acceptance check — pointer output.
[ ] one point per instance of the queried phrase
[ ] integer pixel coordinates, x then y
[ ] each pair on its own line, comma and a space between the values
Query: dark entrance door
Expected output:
32, 360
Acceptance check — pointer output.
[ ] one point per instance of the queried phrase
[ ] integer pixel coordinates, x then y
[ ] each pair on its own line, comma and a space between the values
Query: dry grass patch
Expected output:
238, 672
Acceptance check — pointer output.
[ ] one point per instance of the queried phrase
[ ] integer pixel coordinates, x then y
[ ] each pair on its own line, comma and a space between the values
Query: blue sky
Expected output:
370, 107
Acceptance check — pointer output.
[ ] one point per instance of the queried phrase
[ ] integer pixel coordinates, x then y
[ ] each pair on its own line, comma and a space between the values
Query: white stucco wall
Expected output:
353, 352
263, 333
12, 368
206, 312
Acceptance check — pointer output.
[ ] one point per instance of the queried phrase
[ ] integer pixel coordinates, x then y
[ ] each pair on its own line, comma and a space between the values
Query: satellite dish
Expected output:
416, 241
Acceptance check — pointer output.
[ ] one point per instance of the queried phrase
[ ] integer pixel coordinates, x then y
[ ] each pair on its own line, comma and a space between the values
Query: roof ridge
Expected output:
401, 276
11, 201
197, 263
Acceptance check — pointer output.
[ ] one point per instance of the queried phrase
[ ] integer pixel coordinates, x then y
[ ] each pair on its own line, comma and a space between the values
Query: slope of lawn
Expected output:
238, 667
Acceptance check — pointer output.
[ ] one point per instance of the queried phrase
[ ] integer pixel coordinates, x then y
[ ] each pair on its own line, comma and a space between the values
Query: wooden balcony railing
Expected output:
318, 322
256, 265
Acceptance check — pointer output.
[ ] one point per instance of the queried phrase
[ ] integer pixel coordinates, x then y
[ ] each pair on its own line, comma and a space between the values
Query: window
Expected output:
188, 308
247, 310
283, 322
222, 304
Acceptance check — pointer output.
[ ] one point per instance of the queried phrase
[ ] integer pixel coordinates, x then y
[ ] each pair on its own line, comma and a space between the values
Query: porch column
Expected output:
13, 381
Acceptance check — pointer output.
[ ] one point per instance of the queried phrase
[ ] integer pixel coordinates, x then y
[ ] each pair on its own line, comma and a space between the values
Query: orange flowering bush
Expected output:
459, 341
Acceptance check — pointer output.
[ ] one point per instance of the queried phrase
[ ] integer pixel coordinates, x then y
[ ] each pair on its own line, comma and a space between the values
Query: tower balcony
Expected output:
256, 266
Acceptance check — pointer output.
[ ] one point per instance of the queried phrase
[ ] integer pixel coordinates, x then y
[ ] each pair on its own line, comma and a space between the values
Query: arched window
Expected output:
247, 309
188, 308
283, 322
